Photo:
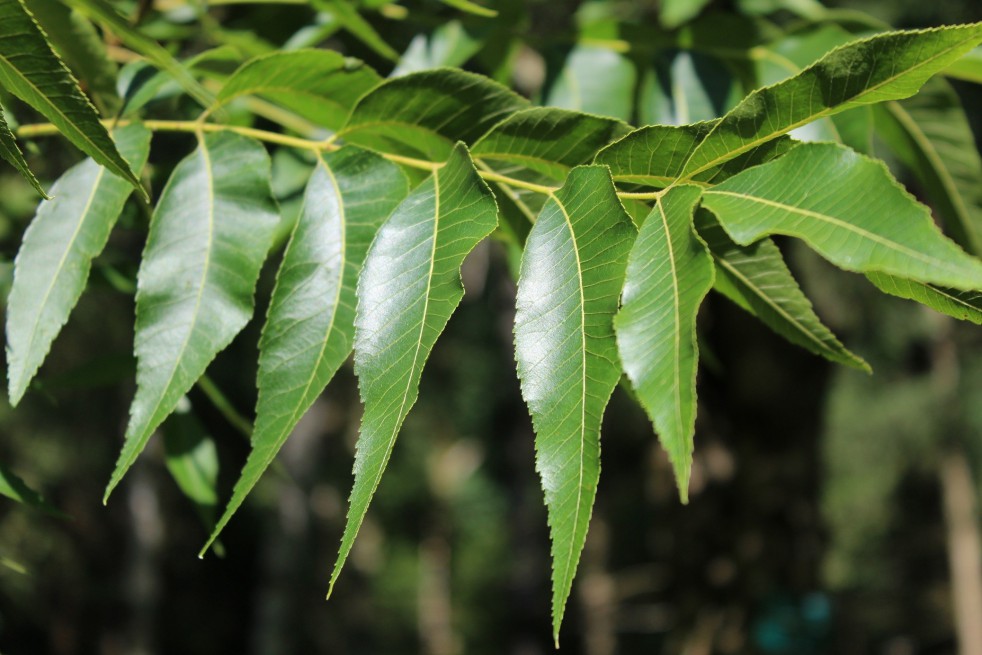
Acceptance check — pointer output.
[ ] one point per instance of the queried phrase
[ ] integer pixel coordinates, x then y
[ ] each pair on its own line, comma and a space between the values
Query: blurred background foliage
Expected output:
827, 511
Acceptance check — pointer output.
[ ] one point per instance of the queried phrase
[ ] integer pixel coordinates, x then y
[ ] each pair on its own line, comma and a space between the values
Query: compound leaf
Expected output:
669, 272
409, 286
571, 275
756, 278
884, 67
208, 238
52, 267
33, 72
310, 324
849, 209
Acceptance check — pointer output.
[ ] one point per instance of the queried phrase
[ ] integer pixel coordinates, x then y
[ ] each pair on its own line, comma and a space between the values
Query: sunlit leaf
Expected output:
571, 276
847, 208
30, 70
595, 80
52, 266
673, 13
310, 323
669, 272
884, 67
756, 278
208, 238
470, 7
409, 287
687, 87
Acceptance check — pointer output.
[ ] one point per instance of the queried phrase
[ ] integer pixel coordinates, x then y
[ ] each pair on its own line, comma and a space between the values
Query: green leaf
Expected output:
14, 488
102, 12
673, 13
963, 305
756, 278
409, 286
968, 68
884, 67
655, 155
347, 15
208, 238
32, 71
81, 47
11, 152
53, 264
570, 279
470, 7
450, 44
310, 324
687, 87
596, 80
319, 85
931, 136
847, 208
424, 114
669, 272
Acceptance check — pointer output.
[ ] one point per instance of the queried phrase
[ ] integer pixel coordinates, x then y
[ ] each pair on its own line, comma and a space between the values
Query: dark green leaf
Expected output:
884, 67
848, 208
756, 278
347, 15
310, 323
30, 70
11, 152
409, 287
319, 85
424, 114
52, 266
669, 272
571, 276
963, 305
208, 238
14, 488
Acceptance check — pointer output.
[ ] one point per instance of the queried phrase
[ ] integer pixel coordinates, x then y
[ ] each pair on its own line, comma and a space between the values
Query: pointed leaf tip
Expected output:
570, 280
409, 287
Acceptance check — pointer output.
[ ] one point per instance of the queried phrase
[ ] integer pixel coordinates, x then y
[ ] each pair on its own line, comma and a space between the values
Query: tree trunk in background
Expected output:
964, 551
142, 578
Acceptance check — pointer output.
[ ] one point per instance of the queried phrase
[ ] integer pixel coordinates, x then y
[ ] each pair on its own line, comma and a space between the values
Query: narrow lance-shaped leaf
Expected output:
52, 266
669, 272
963, 305
16, 489
310, 324
208, 238
756, 278
32, 71
471, 8
884, 67
847, 208
409, 287
10, 151
571, 275
931, 136
319, 85
346, 13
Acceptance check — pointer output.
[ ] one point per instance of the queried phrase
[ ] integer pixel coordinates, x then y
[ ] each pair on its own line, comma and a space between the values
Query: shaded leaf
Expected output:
347, 15
673, 13
103, 12
847, 208
571, 275
884, 67
669, 272
30, 70
684, 87
595, 80
931, 135
450, 44
310, 324
756, 278
11, 152
14, 488
409, 287
963, 305
319, 85
424, 114
81, 47
208, 238
52, 267
968, 68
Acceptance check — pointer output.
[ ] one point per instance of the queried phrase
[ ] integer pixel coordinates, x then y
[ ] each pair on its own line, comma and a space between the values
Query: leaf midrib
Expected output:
676, 312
